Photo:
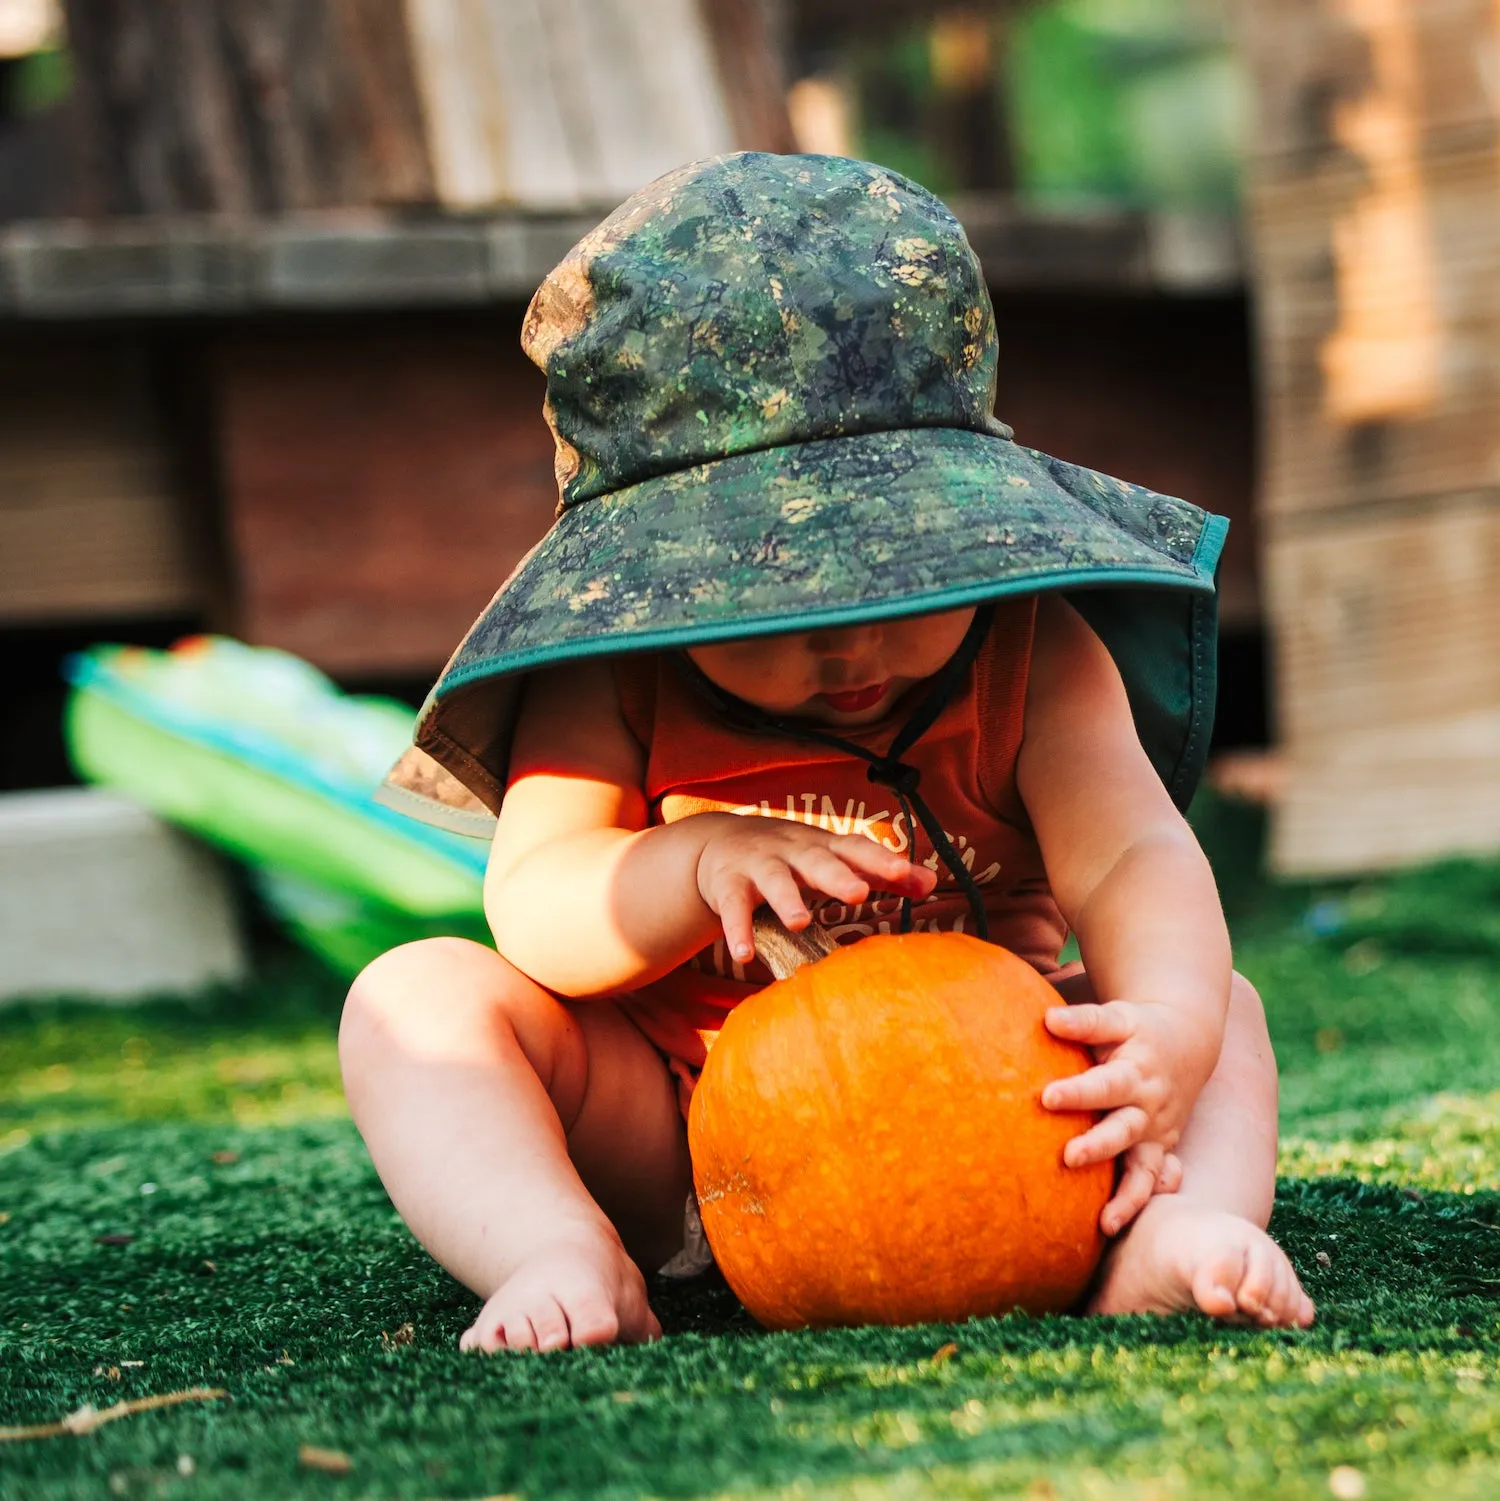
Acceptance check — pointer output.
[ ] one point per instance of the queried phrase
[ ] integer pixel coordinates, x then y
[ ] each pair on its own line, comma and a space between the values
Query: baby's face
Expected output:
846, 676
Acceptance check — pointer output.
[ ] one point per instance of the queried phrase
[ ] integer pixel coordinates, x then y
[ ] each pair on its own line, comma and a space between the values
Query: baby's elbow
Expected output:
507, 922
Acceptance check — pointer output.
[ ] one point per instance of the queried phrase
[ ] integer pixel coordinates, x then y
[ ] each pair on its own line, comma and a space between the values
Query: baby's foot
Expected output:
574, 1292
1179, 1256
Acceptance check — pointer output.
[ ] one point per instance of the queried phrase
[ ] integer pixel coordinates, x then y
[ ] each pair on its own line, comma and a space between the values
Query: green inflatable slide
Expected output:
259, 753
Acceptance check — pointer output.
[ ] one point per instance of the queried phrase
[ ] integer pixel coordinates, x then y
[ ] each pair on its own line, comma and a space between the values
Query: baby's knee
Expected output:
1247, 1013
390, 989
420, 996
446, 999
1247, 1049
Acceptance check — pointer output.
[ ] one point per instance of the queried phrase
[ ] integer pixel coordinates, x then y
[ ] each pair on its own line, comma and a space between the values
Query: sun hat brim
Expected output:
834, 531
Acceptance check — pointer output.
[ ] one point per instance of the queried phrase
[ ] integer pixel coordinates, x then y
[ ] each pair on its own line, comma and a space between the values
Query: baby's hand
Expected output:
748, 861
1152, 1064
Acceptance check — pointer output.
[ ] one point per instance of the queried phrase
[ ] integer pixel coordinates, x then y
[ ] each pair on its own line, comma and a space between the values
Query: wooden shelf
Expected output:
154, 267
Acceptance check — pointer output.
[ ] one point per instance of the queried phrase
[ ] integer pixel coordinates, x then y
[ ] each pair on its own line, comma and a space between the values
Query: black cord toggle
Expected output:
887, 770
897, 775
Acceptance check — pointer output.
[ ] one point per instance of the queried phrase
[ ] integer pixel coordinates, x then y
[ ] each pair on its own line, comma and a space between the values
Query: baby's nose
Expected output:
845, 641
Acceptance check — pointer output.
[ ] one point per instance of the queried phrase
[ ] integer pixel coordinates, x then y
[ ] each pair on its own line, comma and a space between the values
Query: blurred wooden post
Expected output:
1375, 219
747, 58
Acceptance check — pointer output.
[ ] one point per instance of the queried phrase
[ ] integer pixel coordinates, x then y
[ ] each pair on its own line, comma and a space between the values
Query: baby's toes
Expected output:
549, 1325
591, 1319
1289, 1307
1255, 1294
1270, 1292
500, 1326
1216, 1283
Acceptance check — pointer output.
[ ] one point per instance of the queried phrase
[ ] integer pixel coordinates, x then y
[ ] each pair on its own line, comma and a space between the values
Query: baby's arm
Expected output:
1132, 881
588, 900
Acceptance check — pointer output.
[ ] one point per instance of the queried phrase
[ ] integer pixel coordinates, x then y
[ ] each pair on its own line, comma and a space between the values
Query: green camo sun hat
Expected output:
771, 381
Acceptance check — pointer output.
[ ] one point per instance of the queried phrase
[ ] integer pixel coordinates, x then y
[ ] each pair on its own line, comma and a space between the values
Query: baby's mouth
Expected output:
855, 700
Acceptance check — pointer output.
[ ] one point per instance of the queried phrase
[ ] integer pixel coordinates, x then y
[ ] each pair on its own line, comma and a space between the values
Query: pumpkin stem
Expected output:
784, 952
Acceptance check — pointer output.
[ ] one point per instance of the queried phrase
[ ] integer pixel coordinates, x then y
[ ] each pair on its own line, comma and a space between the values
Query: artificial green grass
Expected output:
262, 1054
181, 1190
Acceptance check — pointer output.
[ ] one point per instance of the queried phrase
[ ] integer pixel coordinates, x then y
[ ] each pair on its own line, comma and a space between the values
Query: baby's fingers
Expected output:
1169, 1179
1093, 1025
1116, 1133
1143, 1167
735, 900
1103, 1087
885, 870
824, 871
780, 891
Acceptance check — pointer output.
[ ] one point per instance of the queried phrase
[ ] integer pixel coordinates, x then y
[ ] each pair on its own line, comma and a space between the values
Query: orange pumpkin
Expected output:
869, 1144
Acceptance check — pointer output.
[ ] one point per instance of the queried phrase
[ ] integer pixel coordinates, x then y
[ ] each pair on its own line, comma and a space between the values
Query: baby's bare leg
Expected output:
1205, 1246
533, 1147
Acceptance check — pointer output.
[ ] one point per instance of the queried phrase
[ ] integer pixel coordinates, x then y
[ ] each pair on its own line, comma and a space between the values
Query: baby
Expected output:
811, 633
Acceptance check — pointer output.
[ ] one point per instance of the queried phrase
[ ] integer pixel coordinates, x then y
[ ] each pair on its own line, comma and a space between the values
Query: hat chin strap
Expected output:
888, 770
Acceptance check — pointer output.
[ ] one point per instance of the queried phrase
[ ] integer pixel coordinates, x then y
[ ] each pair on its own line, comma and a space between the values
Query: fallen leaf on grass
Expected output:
944, 1352
329, 1461
113, 1373
226, 1159
114, 1239
88, 1418
405, 1335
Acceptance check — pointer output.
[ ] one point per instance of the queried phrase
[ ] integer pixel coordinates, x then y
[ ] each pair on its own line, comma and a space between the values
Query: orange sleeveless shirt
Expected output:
967, 758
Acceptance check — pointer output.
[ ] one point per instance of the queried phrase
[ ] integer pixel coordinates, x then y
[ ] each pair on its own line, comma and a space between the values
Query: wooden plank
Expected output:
1388, 685
159, 133
378, 488
242, 105
1375, 198
454, 60
750, 72
91, 518
1312, 61
546, 161
1393, 799
1379, 322
164, 267
656, 99
1387, 621
568, 102
381, 122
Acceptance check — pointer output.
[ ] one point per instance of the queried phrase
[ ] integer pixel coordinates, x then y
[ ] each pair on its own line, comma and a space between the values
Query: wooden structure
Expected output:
217, 106
1376, 235
271, 382
324, 435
